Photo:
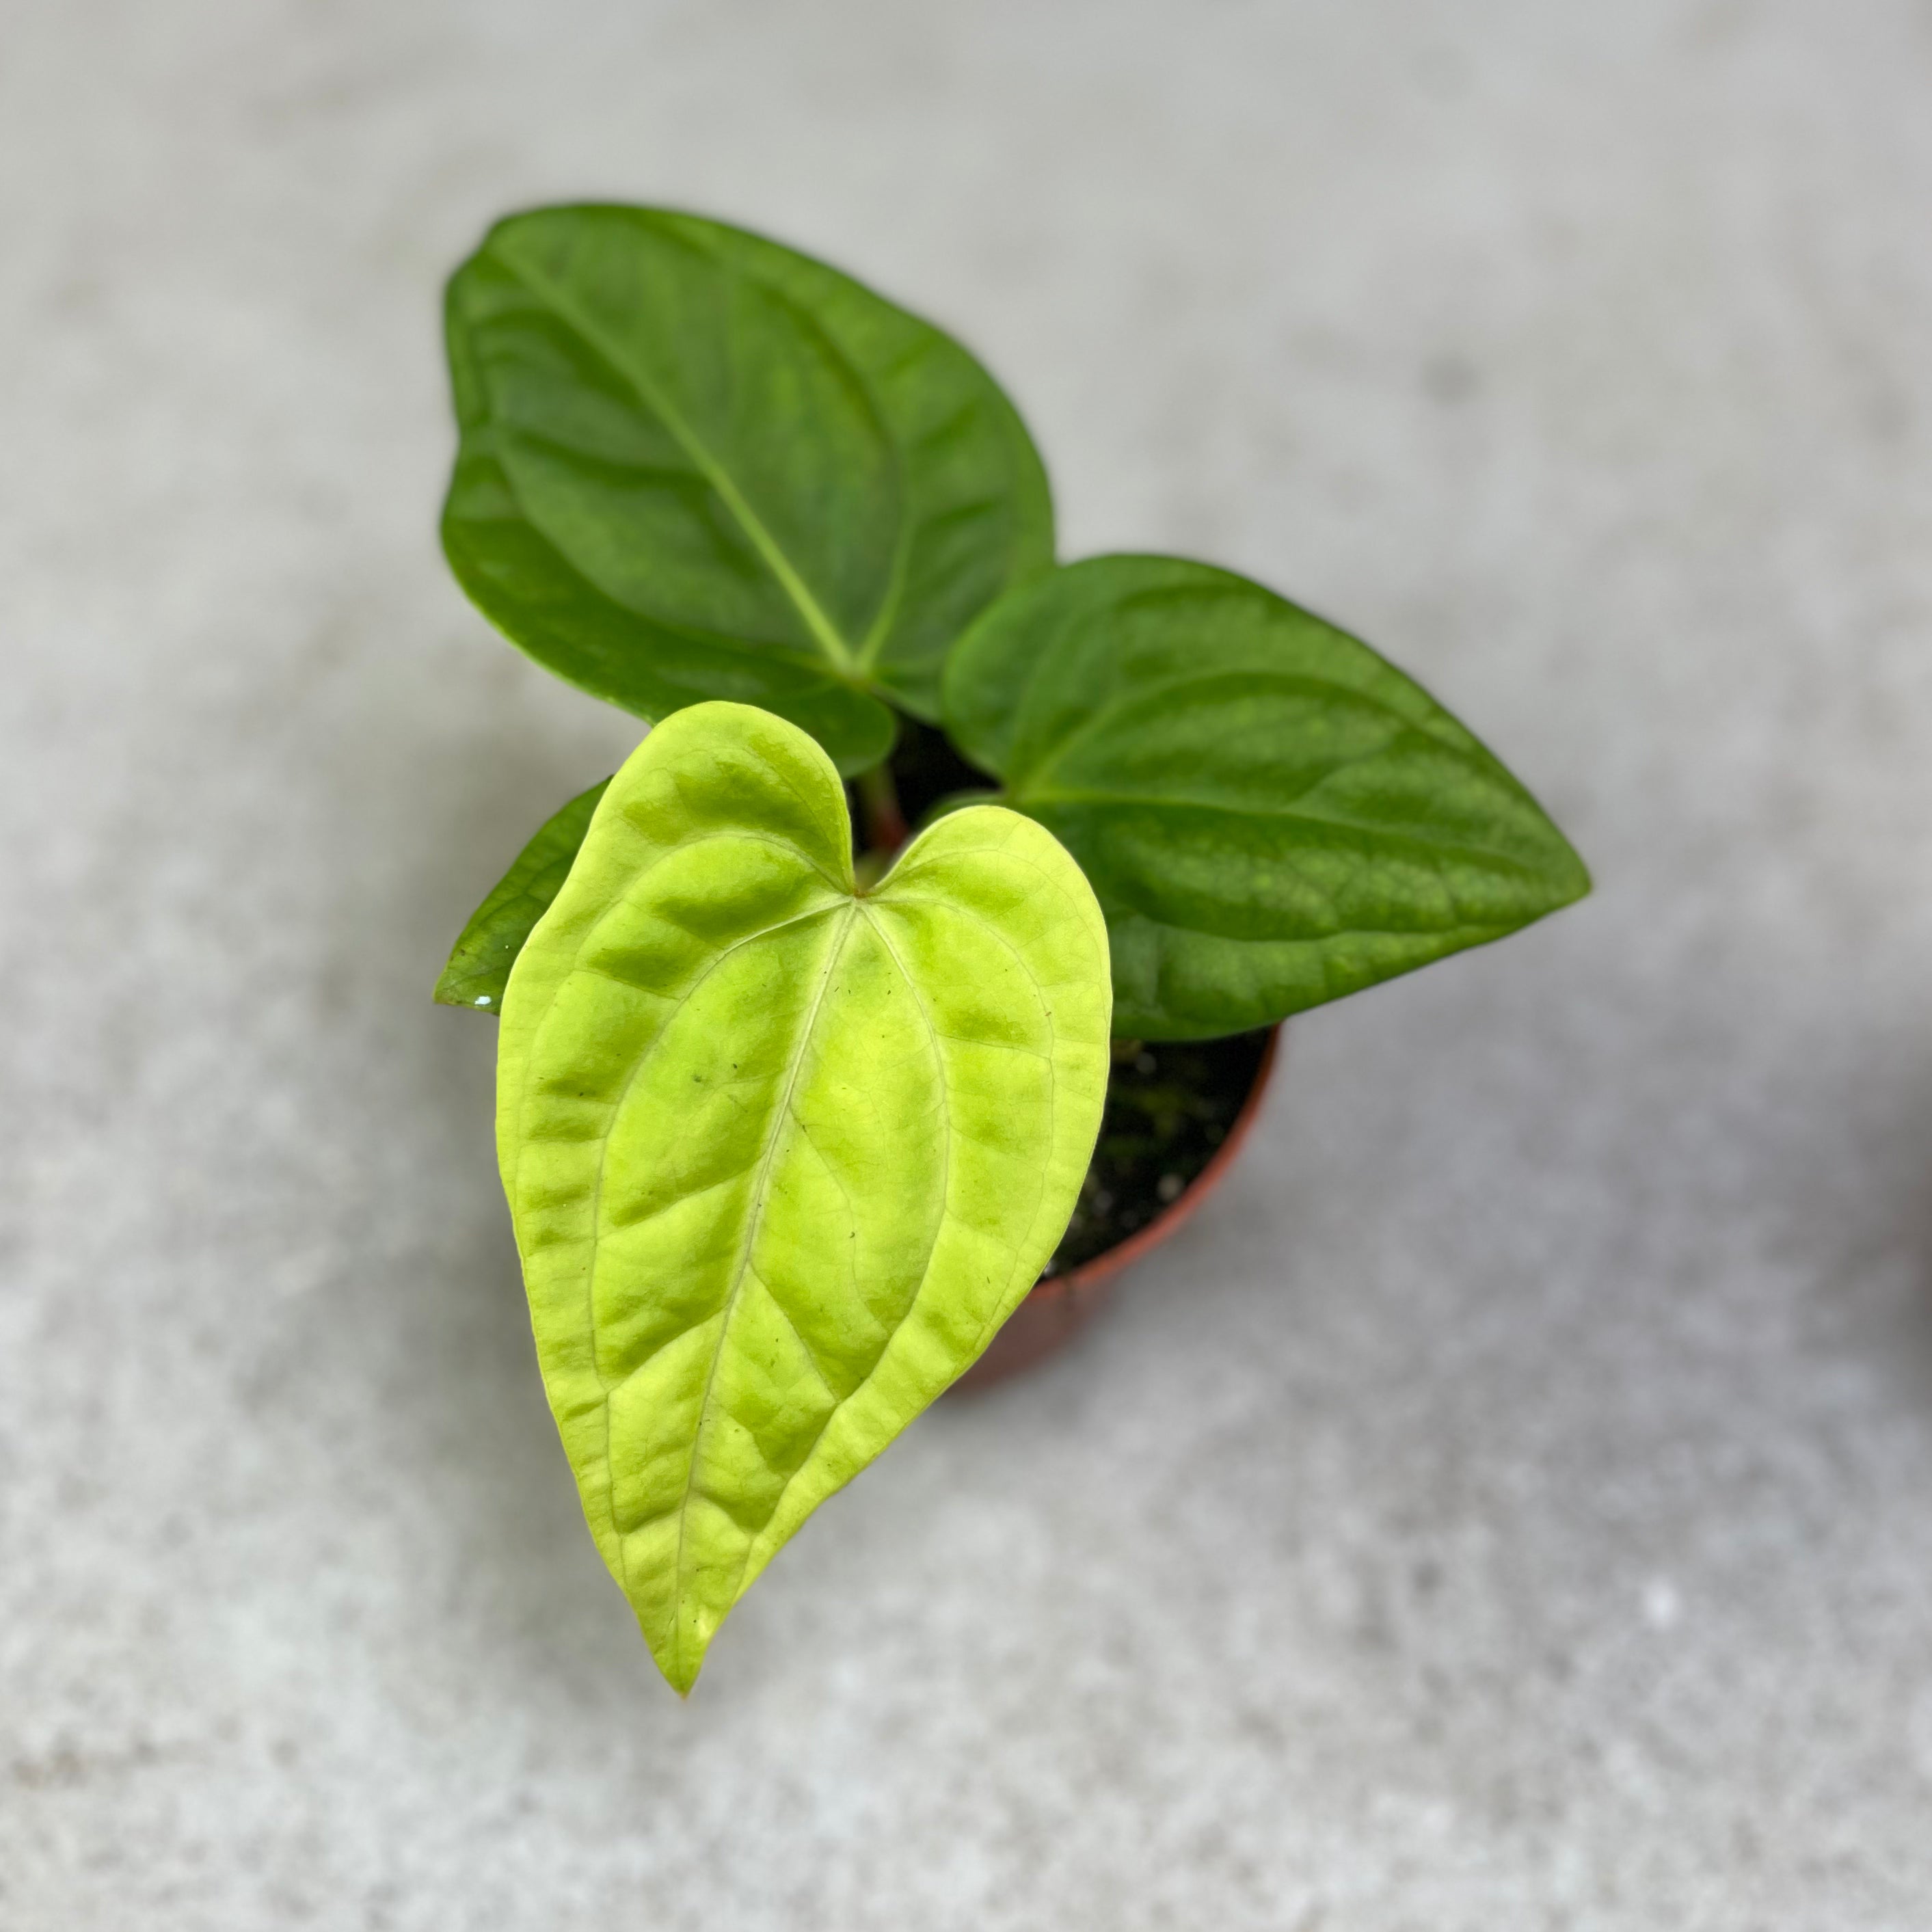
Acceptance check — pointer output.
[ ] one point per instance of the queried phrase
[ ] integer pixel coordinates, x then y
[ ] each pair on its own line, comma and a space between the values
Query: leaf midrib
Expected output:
835, 951
1307, 821
933, 1034
824, 633
872, 909
1096, 722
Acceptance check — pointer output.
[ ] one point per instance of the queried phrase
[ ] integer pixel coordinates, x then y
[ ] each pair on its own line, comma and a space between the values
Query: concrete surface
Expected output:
1511, 1506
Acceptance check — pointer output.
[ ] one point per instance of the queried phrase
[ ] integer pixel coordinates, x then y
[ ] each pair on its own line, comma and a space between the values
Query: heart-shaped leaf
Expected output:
479, 964
1271, 814
781, 1155
695, 464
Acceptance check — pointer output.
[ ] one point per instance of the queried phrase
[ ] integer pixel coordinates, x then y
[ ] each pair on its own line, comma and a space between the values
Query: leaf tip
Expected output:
1576, 883
458, 989
680, 1668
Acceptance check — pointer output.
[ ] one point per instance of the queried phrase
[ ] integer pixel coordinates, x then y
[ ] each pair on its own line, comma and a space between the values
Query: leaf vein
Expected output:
824, 632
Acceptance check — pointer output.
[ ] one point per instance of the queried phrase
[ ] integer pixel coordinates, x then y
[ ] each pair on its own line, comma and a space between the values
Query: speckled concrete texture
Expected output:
1509, 1506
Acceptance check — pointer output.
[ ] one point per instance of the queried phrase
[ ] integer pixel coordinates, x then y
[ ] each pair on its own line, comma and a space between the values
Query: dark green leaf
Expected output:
694, 464
1271, 814
479, 966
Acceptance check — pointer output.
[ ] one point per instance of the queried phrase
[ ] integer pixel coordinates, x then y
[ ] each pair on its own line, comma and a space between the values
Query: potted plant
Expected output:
790, 1120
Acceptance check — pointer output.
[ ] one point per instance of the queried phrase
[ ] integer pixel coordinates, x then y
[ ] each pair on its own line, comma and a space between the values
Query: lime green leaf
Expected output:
480, 962
694, 464
1271, 814
781, 1158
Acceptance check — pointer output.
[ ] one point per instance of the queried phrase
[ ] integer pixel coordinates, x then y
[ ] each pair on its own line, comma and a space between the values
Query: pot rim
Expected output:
1176, 1213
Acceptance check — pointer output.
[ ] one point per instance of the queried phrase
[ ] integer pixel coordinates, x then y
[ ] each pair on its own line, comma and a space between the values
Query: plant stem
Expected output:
879, 799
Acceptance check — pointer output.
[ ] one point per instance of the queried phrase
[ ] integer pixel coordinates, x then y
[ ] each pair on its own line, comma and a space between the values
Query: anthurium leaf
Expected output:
781, 1158
480, 962
694, 464
1271, 814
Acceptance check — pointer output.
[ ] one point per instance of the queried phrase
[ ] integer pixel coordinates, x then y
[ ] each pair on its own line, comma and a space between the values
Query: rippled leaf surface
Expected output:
1270, 814
694, 464
781, 1158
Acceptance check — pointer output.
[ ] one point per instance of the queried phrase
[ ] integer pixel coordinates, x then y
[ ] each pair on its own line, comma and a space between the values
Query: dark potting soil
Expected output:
926, 769
1170, 1103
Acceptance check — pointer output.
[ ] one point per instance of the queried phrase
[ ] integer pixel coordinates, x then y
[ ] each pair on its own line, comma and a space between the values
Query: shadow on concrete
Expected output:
432, 1323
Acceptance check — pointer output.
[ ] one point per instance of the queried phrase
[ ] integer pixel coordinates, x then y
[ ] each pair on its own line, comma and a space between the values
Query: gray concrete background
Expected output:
1511, 1506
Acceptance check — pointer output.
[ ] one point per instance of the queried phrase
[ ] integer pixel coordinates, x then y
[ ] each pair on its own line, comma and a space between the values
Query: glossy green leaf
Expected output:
479, 964
1270, 814
694, 464
781, 1158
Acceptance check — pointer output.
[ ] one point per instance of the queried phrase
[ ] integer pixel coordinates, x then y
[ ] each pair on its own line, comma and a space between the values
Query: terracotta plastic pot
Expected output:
1061, 1305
